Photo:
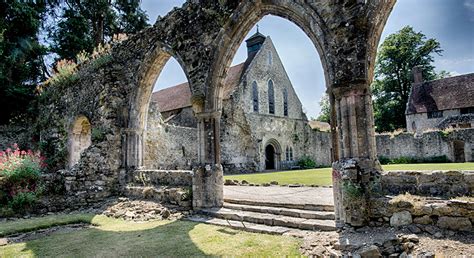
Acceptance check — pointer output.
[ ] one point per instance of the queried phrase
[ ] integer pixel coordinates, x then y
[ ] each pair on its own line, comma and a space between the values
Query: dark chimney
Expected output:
417, 74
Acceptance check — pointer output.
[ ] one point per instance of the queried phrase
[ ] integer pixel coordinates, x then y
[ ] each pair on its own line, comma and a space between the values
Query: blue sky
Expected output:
451, 22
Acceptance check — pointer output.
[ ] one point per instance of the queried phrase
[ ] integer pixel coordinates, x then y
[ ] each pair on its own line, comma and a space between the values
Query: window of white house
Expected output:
435, 114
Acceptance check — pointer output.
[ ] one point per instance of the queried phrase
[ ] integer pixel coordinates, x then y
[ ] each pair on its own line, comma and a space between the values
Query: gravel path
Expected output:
281, 194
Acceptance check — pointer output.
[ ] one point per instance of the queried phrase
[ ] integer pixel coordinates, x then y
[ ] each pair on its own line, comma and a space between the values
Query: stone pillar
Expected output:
132, 148
208, 178
356, 173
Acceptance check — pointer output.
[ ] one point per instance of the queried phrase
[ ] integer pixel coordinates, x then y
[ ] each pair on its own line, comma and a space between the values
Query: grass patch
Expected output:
27, 225
319, 176
116, 237
322, 176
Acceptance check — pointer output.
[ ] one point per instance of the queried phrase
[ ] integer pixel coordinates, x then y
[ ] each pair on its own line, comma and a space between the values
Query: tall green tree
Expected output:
396, 57
21, 55
325, 113
84, 24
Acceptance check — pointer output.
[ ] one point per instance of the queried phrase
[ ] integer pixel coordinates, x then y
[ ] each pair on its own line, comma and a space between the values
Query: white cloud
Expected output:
469, 4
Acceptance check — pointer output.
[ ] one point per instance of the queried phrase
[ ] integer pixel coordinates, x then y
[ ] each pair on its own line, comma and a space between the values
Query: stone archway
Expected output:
272, 155
133, 146
79, 139
203, 36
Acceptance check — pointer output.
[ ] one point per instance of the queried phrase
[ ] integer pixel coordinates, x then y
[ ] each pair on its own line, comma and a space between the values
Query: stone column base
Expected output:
208, 187
354, 181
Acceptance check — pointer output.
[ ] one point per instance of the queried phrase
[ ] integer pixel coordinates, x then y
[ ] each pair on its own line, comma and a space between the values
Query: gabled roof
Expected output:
449, 93
179, 96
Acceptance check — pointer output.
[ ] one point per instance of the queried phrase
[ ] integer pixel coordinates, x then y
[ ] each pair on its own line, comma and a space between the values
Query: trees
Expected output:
78, 25
396, 57
84, 24
325, 113
21, 52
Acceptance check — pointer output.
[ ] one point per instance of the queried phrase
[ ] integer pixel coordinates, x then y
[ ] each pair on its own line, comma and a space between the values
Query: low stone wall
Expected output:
428, 183
422, 214
164, 177
166, 186
426, 145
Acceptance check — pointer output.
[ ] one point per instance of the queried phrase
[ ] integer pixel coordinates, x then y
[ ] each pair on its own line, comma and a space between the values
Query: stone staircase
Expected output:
267, 217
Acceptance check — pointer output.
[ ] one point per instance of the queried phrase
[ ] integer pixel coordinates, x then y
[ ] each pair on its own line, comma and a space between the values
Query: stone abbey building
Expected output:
263, 126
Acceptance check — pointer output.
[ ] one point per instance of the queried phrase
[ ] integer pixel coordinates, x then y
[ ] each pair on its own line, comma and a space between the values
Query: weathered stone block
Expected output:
455, 223
401, 219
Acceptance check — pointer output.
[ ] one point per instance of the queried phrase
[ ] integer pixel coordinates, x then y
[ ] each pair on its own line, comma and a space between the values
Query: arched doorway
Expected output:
270, 157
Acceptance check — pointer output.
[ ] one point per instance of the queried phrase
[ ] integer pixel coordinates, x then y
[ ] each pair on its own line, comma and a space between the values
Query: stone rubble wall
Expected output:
10, 134
423, 214
164, 177
171, 147
428, 183
426, 145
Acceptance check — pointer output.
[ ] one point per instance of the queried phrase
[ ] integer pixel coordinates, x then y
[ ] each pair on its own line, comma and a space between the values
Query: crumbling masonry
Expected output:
203, 36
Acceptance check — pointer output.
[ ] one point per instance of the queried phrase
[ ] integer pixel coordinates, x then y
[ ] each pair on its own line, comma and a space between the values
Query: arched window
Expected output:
271, 98
289, 154
285, 102
79, 139
270, 58
255, 96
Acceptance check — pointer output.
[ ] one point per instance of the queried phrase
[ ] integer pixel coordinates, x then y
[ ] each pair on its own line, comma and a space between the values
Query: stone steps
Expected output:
297, 213
270, 219
241, 225
310, 207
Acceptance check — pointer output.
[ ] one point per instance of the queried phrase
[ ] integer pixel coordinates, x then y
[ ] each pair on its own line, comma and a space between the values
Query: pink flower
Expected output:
9, 150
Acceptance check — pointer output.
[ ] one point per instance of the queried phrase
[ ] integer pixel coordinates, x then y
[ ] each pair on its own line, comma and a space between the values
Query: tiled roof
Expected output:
449, 93
172, 98
179, 96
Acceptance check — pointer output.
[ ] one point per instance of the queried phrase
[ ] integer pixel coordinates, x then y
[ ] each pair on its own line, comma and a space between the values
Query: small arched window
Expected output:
270, 58
285, 102
79, 139
289, 154
255, 96
271, 98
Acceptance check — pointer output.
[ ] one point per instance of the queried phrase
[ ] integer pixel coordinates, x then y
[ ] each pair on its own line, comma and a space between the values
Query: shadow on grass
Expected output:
172, 239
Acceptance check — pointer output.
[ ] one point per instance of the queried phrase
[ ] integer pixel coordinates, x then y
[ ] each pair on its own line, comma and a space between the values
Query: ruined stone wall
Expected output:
428, 183
423, 214
11, 134
168, 146
181, 117
239, 149
426, 145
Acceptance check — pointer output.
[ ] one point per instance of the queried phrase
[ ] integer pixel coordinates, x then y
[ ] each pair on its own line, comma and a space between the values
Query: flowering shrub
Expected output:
19, 176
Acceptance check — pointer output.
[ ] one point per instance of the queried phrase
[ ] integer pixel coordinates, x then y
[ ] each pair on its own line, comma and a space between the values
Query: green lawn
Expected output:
116, 237
322, 176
